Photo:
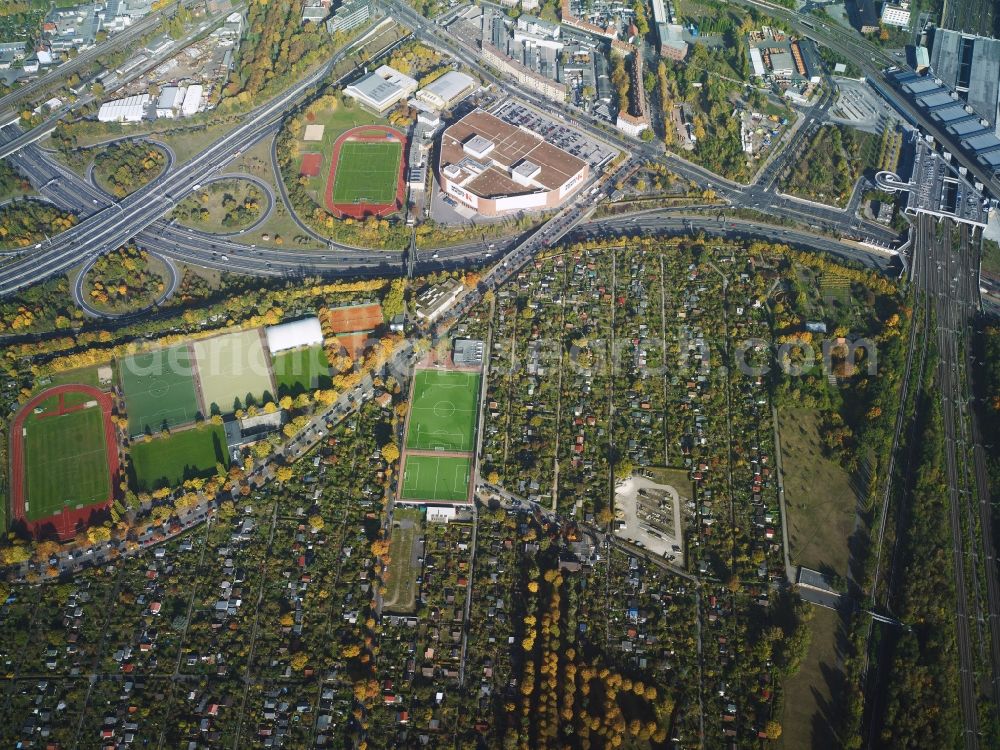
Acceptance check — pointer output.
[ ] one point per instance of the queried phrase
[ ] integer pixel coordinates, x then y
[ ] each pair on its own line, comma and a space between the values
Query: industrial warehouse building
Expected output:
443, 92
131, 109
294, 335
496, 168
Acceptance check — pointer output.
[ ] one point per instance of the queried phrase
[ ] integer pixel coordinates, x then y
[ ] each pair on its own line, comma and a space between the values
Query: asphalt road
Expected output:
139, 215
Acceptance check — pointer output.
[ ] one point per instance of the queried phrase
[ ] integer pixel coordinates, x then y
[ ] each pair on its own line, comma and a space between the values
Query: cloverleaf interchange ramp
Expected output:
139, 215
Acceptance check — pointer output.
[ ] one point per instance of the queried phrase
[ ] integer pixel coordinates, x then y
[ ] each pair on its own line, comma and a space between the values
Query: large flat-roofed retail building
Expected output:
496, 168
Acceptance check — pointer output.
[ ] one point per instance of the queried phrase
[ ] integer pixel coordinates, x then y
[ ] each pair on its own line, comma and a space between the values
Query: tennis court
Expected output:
159, 389
66, 461
234, 371
440, 478
352, 318
367, 172
443, 410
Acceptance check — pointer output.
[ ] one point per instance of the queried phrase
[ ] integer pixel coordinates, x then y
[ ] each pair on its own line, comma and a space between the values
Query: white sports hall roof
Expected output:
298, 333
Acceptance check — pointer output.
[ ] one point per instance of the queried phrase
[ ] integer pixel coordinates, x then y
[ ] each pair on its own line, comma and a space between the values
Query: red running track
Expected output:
63, 525
366, 134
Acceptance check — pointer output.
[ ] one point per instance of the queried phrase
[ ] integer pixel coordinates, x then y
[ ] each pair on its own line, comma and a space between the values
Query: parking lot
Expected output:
595, 153
649, 514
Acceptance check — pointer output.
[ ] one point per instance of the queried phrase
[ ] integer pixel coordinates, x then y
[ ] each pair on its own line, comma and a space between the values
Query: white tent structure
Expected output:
298, 333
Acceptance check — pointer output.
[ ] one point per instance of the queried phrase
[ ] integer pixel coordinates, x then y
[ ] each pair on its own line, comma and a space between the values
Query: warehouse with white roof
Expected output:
294, 335
445, 91
132, 109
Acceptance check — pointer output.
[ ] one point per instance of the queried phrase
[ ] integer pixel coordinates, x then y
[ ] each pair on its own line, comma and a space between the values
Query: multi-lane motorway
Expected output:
140, 214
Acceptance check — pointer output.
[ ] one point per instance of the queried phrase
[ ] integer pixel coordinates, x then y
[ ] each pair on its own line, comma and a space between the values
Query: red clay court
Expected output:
354, 318
310, 165
367, 173
63, 471
354, 343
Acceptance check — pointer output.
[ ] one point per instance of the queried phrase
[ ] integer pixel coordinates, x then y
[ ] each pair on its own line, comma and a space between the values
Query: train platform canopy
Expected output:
935, 100
954, 113
919, 85
966, 128
981, 144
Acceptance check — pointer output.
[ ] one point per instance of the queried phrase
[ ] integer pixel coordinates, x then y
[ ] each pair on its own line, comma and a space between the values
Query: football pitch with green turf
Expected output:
443, 410
168, 461
442, 478
367, 172
159, 389
66, 462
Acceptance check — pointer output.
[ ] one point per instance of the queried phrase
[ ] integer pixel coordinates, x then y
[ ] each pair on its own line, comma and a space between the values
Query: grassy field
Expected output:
367, 172
233, 370
407, 527
991, 257
818, 494
168, 461
159, 389
301, 370
444, 478
257, 161
443, 410
82, 375
66, 461
814, 695
214, 207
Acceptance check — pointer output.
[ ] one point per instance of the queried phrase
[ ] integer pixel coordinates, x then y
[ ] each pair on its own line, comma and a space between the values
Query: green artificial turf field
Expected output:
301, 370
159, 389
443, 478
443, 410
234, 369
367, 172
66, 462
168, 461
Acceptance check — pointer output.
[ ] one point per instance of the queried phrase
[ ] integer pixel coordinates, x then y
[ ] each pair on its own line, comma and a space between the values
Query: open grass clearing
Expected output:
405, 552
819, 497
81, 375
676, 478
168, 461
301, 370
814, 696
